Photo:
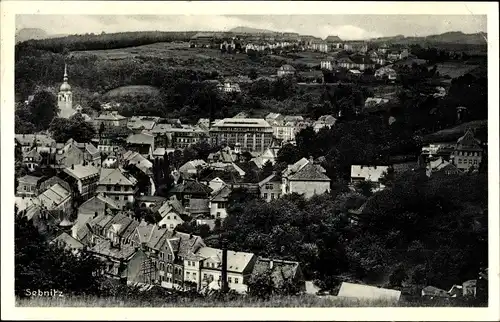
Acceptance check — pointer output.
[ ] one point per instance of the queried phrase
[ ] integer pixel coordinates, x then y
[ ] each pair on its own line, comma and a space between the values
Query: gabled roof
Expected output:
191, 187
135, 158
273, 116
192, 165
236, 261
309, 172
222, 194
171, 205
119, 223
69, 241
370, 173
280, 270
141, 138
33, 153
103, 247
295, 167
110, 116
96, 203
54, 196
29, 179
287, 67
79, 171
116, 176
271, 178
41, 139
468, 141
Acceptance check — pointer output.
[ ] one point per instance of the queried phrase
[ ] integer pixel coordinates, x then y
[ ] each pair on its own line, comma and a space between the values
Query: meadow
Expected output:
275, 301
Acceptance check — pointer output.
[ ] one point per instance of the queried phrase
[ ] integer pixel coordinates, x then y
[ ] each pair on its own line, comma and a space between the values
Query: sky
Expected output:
347, 27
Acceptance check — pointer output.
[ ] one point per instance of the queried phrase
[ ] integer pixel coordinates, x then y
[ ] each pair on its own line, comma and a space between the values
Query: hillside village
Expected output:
149, 195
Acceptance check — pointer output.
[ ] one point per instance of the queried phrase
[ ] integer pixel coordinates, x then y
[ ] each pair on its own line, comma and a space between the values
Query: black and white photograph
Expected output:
254, 159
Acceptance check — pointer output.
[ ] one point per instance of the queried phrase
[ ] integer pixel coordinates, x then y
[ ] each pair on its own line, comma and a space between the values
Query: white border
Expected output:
10, 8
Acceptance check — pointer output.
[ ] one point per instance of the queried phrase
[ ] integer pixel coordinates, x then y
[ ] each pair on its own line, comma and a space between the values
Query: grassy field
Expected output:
455, 70
454, 133
276, 301
132, 90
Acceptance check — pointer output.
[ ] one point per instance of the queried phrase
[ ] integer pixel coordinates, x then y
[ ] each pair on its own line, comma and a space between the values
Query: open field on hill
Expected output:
276, 301
453, 133
455, 70
132, 90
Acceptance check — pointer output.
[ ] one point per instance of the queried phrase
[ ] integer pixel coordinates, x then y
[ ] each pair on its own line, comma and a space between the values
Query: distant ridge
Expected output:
248, 30
452, 37
33, 34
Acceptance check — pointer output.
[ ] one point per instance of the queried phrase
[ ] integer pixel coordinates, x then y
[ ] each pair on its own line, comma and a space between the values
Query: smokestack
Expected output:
224, 287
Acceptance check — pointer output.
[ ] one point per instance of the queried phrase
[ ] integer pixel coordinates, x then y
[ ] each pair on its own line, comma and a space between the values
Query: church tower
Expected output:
65, 97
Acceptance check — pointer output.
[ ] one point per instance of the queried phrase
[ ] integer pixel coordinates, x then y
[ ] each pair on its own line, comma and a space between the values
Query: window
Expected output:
117, 197
222, 205
269, 186
475, 162
265, 196
218, 215
175, 217
117, 188
194, 275
272, 196
229, 280
168, 217
204, 276
235, 280
188, 274
470, 161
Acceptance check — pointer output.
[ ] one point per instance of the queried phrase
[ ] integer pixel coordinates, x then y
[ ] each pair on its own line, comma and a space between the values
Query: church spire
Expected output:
65, 79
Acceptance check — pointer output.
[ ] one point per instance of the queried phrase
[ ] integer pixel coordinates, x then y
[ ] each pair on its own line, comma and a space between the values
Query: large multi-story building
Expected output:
117, 185
252, 134
468, 153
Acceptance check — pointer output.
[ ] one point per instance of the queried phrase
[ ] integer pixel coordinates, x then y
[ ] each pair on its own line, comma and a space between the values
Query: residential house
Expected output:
368, 173
73, 153
111, 161
66, 241
187, 135
283, 131
305, 177
286, 70
386, 72
293, 119
107, 145
42, 142
117, 185
468, 152
193, 195
251, 134
215, 183
375, 101
362, 62
239, 268
270, 187
27, 186
192, 168
229, 87
345, 62
141, 143
92, 208
324, 121
32, 159
176, 250
319, 45
398, 55
151, 202
441, 167
141, 123
219, 201
281, 271
56, 197
86, 178
327, 64
274, 117
203, 123
159, 153
110, 119
138, 160
225, 155
377, 58
227, 167
269, 155
172, 213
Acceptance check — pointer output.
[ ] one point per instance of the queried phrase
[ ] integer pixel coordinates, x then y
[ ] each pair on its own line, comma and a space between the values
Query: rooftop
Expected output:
80, 171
